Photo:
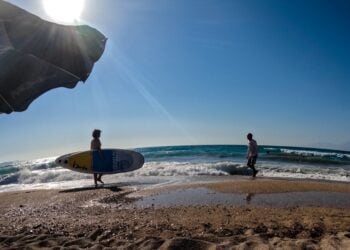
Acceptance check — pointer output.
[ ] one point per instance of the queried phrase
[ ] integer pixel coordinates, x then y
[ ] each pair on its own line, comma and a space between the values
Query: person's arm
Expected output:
96, 145
256, 149
100, 150
100, 154
248, 150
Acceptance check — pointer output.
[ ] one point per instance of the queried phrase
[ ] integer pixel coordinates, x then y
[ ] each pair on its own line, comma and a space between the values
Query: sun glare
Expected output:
64, 10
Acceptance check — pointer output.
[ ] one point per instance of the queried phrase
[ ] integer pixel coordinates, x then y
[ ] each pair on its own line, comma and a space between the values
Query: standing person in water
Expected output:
96, 145
252, 153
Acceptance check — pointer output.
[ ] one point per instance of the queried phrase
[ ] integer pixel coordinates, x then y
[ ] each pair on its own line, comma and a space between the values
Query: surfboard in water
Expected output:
106, 161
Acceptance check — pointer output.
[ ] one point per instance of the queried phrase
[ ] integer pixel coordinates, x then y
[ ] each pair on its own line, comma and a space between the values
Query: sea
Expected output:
184, 164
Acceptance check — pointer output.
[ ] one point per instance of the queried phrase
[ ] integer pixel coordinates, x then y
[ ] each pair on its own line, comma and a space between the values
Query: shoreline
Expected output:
108, 218
231, 184
258, 192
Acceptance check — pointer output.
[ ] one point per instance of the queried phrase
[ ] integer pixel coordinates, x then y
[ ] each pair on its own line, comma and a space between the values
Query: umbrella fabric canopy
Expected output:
37, 55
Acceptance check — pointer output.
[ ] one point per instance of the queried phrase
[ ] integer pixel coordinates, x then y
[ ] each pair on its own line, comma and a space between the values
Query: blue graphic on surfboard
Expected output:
106, 161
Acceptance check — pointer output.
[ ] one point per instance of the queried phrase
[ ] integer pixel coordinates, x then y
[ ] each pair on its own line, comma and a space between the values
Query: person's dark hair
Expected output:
96, 133
250, 136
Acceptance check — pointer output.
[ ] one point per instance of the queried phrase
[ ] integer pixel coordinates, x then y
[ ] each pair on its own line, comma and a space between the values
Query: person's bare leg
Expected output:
99, 178
95, 179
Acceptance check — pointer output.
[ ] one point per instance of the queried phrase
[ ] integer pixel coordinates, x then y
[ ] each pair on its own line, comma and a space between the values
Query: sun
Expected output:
66, 11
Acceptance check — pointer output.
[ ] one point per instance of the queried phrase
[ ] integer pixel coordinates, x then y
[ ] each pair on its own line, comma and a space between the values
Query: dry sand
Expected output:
107, 218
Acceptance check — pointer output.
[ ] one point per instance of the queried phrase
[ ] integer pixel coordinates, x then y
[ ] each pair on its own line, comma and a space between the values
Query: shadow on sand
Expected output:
111, 187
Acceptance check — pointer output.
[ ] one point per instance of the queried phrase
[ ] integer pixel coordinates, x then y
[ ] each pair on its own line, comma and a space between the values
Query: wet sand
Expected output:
236, 214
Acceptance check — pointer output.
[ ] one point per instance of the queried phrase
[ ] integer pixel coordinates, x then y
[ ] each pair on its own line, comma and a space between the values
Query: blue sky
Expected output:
198, 72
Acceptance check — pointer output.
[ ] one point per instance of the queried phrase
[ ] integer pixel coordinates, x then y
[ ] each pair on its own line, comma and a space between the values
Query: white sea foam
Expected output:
313, 153
296, 175
188, 169
175, 164
299, 171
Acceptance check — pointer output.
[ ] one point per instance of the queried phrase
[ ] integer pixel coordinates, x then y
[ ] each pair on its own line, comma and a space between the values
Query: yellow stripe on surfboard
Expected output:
81, 161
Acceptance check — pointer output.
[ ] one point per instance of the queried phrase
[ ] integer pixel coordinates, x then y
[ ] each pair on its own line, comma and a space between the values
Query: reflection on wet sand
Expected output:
249, 197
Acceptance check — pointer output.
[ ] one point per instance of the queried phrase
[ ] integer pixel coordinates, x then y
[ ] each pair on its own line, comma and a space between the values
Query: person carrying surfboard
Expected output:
252, 153
96, 145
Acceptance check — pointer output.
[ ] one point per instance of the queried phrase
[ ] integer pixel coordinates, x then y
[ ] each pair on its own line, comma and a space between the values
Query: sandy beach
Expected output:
174, 124
230, 214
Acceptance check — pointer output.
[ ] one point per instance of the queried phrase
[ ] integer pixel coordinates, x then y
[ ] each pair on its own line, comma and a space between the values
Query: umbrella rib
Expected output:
53, 65
8, 104
68, 72
65, 71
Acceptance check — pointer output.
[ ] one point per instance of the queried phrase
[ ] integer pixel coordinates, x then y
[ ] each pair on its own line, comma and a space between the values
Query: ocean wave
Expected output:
312, 176
182, 161
316, 153
27, 176
39, 164
306, 156
176, 169
160, 153
190, 169
183, 169
308, 152
9, 179
298, 171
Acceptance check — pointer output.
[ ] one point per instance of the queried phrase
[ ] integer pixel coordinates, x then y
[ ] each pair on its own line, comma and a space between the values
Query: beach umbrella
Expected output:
37, 55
